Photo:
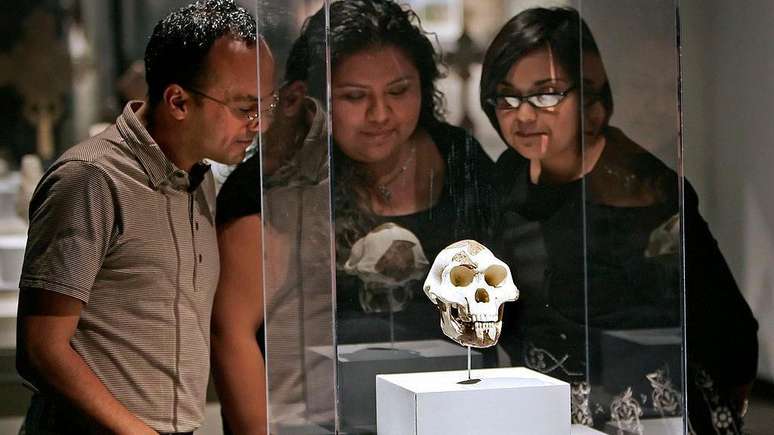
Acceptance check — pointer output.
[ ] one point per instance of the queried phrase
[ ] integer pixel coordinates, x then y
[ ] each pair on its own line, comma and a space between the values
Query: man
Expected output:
121, 263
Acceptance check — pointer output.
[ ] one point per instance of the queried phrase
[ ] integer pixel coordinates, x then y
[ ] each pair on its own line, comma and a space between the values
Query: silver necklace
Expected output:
383, 189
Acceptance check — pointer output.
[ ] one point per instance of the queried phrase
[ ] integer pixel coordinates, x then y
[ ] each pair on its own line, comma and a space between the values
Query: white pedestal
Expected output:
512, 401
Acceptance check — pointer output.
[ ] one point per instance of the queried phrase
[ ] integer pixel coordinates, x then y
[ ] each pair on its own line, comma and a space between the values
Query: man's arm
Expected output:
46, 322
238, 365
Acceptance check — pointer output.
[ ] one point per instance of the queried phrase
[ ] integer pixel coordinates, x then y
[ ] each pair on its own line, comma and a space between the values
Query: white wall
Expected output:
729, 141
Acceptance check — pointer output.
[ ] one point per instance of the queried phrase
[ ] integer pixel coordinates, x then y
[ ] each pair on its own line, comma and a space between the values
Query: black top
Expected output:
466, 209
467, 203
240, 194
603, 252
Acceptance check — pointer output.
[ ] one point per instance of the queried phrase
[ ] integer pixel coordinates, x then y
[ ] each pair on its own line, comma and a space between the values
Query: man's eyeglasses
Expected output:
540, 100
250, 115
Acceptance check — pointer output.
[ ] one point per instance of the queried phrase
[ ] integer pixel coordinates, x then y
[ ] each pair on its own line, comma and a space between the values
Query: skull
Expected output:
387, 259
665, 239
469, 285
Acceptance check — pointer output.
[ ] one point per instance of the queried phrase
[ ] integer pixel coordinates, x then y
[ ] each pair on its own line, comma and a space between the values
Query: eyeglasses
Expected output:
541, 100
250, 115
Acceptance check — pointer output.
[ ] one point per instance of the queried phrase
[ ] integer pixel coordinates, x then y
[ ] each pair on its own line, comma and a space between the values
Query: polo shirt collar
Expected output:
159, 168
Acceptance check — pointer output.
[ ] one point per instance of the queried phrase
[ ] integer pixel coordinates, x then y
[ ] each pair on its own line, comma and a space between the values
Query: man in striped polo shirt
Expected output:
122, 263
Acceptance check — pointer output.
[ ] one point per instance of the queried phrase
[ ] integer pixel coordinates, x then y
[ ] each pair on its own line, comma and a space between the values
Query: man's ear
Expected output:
292, 98
176, 101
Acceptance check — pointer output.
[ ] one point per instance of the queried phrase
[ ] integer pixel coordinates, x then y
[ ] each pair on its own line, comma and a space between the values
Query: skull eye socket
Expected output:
494, 275
461, 276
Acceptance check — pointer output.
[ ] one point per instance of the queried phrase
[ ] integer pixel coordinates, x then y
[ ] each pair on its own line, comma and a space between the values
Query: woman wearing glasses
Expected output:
604, 214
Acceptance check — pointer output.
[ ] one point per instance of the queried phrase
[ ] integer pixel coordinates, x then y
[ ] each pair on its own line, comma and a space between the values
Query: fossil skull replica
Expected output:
469, 285
386, 260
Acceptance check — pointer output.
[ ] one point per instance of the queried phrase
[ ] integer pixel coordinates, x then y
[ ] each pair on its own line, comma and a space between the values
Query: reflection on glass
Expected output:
406, 184
276, 207
604, 214
585, 215
634, 193
536, 58
386, 260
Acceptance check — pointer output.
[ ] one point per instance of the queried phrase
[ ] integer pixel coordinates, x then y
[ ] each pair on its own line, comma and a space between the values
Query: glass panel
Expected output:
409, 180
591, 232
632, 217
296, 217
537, 53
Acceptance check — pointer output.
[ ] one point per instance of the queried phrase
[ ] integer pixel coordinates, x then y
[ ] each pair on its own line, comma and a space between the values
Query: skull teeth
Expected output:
484, 318
486, 329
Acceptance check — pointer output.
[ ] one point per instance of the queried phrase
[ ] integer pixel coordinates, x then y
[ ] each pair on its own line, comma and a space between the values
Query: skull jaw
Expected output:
473, 334
470, 333
460, 327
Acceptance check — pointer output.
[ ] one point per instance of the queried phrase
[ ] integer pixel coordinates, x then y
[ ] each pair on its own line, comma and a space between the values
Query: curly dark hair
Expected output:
354, 26
177, 49
562, 29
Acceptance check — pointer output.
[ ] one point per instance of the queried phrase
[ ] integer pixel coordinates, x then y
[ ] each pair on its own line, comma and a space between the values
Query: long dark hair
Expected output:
562, 29
357, 25
354, 26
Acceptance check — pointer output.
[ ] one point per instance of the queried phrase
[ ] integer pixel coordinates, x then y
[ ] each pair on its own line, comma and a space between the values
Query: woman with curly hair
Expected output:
404, 183
395, 161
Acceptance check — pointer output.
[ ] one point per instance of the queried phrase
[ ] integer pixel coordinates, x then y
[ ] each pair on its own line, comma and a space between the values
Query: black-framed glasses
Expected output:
540, 100
250, 115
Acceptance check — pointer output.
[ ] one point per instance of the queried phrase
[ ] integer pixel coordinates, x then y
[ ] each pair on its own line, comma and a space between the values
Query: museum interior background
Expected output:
68, 66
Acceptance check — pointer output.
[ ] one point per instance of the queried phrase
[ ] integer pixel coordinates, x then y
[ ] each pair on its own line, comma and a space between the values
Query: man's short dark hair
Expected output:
177, 50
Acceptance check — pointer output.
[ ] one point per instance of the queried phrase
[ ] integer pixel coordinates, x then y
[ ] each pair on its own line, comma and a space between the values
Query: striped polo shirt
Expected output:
116, 225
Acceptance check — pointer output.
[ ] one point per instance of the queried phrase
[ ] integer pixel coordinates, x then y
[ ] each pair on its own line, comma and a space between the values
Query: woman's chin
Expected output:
531, 147
531, 151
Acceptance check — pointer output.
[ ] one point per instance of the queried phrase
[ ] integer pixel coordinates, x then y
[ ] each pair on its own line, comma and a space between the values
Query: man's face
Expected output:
225, 124
289, 126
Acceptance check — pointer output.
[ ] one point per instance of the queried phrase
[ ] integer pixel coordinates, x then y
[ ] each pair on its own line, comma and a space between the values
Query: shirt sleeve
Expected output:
72, 228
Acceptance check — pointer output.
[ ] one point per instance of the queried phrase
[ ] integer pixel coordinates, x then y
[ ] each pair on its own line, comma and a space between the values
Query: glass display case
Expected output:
475, 209
547, 131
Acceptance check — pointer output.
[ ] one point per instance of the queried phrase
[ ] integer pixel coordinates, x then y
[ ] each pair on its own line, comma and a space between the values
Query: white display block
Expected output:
512, 401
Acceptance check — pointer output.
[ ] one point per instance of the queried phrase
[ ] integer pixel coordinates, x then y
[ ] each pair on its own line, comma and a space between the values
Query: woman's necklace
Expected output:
383, 189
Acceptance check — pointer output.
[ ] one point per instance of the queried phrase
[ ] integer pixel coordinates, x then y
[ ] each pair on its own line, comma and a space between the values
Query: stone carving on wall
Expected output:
38, 66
